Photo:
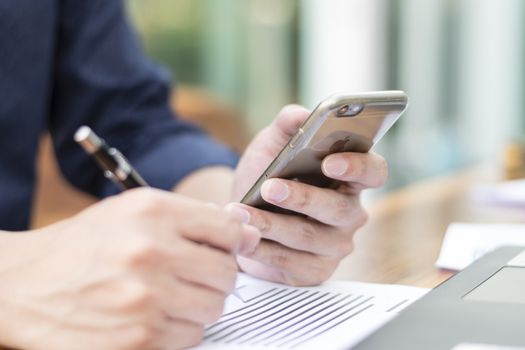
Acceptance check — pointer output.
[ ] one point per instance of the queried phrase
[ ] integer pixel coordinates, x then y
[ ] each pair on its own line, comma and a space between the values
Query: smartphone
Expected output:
341, 123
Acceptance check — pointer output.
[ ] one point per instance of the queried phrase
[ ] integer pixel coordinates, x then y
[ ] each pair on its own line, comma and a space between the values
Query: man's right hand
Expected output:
142, 270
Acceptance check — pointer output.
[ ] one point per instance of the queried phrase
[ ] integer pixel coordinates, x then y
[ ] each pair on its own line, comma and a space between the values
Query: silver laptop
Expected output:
480, 308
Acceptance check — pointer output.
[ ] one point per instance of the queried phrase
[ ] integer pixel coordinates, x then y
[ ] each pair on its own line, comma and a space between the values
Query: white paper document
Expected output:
465, 243
335, 315
508, 193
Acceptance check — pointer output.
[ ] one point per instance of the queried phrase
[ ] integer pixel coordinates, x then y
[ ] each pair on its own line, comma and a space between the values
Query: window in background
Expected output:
173, 34
242, 51
461, 62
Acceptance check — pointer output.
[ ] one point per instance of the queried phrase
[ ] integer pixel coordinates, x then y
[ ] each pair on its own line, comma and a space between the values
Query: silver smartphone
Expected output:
342, 123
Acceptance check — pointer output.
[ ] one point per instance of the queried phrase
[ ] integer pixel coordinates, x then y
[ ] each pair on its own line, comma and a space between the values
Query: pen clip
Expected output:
123, 167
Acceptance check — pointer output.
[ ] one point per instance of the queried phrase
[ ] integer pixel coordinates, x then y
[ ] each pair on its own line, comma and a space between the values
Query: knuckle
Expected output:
325, 274
229, 285
135, 296
194, 336
139, 251
230, 275
301, 280
227, 275
346, 247
146, 203
318, 271
263, 222
303, 199
230, 230
383, 172
292, 281
342, 208
231, 268
361, 218
308, 234
231, 241
140, 337
213, 309
279, 258
234, 229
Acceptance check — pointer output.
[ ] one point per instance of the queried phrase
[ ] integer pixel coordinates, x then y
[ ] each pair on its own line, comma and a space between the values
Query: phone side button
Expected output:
296, 138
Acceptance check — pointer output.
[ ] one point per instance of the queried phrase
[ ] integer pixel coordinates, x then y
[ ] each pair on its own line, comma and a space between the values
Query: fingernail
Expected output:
251, 239
239, 213
274, 191
335, 167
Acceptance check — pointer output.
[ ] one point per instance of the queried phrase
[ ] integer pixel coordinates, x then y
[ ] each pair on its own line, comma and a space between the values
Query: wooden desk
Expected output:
401, 241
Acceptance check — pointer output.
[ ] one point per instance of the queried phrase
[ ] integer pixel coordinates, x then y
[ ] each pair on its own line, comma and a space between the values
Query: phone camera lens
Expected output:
350, 110
342, 110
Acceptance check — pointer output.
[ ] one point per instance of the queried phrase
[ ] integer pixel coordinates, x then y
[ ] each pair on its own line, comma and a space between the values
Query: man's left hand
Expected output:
300, 250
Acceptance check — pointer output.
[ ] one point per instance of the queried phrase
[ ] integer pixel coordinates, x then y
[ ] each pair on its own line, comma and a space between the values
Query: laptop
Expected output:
480, 308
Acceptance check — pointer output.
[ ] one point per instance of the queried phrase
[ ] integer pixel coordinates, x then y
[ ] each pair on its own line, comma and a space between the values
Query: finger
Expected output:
279, 132
252, 237
298, 267
289, 119
325, 205
200, 222
180, 334
260, 270
205, 266
190, 302
217, 228
368, 169
301, 233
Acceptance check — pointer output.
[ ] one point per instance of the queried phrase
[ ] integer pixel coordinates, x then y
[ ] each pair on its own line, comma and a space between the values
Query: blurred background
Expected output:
460, 61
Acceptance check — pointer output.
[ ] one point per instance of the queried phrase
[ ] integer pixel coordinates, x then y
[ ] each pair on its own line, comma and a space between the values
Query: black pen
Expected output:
115, 166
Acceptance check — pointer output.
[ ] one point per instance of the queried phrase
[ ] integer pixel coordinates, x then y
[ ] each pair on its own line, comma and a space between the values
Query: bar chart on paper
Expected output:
335, 315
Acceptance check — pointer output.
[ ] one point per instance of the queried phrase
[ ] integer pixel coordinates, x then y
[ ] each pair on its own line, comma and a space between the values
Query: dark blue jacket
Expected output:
65, 63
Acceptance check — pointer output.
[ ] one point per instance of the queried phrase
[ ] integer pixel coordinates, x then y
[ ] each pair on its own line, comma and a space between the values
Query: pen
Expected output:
115, 166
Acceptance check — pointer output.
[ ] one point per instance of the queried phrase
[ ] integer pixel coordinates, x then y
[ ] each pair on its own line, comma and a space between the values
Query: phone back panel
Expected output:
328, 131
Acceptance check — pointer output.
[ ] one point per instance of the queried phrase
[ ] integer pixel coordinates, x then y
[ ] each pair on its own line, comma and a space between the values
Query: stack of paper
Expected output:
465, 243
508, 193
335, 315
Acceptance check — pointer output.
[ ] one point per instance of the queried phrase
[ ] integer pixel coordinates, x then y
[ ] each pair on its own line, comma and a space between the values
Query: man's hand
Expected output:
142, 270
303, 250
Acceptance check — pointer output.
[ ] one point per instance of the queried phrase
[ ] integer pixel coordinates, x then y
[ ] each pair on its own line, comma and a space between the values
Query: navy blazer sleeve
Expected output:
102, 79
